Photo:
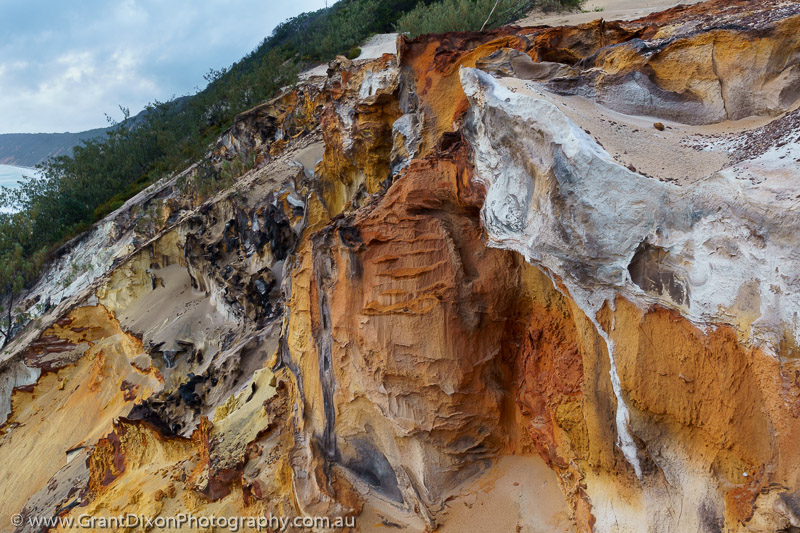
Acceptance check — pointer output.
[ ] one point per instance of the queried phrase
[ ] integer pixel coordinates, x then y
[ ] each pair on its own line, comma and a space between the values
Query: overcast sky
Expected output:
65, 63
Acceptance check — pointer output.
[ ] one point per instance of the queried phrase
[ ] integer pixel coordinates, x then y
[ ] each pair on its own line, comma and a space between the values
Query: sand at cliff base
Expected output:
516, 494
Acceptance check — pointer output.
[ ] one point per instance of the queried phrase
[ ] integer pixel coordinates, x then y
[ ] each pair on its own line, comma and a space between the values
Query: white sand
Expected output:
605, 9
377, 45
372, 48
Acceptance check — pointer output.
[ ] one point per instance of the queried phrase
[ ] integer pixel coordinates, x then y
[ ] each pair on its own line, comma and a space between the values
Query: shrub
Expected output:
108, 207
353, 53
469, 15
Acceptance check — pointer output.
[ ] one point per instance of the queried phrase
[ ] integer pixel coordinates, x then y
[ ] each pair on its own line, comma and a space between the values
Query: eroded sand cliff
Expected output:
531, 279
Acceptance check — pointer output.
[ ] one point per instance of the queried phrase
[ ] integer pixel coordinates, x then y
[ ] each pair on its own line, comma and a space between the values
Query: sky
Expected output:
65, 64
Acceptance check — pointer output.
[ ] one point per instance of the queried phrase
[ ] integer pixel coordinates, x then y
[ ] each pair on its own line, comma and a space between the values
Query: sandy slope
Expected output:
605, 9
372, 48
634, 141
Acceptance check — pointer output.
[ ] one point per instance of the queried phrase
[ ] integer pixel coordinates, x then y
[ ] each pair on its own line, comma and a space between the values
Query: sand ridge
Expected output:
595, 9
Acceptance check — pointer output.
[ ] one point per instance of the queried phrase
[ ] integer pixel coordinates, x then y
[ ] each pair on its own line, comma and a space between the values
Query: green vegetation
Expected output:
470, 15
75, 191
17, 269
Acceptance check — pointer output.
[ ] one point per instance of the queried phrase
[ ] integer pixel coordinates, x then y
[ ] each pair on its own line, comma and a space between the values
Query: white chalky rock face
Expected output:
76, 270
721, 250
87, 261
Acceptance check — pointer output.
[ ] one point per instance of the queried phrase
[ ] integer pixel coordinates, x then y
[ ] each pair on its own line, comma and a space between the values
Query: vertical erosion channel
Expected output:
322, 267
625, 440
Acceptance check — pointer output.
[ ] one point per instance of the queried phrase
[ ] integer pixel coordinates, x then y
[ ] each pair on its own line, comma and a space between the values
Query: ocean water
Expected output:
11, 175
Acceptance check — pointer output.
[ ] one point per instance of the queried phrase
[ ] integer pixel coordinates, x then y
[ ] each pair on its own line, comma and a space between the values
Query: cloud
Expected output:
65, 65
